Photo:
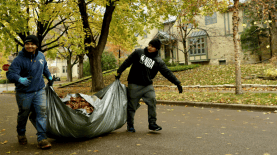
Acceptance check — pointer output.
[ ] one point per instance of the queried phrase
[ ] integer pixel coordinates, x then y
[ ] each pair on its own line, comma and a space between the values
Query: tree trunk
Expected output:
94, 53
96, 71
69, 69
237, 51
273, 36
81, 66
184, 42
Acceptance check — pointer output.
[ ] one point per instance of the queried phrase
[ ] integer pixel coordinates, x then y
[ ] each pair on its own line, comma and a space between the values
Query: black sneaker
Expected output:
131, 128
154, 127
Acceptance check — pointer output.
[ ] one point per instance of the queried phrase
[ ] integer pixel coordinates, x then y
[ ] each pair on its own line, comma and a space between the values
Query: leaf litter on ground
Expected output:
203, 75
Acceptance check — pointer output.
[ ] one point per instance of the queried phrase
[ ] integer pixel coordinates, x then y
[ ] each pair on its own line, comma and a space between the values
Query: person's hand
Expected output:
180, 88
24, 81
50, 81
117, 76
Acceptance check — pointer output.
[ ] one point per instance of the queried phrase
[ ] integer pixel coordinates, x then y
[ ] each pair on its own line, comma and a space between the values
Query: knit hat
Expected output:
156, 43
33, 39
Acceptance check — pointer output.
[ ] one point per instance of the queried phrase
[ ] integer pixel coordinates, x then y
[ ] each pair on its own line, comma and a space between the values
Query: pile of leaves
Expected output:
79, 103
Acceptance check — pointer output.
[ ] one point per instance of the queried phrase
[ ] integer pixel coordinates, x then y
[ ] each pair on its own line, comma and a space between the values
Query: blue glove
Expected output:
24, 81
51, 81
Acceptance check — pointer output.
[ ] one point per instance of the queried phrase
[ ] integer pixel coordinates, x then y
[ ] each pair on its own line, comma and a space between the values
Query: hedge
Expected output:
183, 67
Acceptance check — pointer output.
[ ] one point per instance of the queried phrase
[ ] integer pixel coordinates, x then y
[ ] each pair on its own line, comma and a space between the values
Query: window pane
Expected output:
203, 50
199, 51
202, 40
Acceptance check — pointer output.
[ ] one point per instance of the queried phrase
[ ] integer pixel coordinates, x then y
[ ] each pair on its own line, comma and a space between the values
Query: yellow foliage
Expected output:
271, 72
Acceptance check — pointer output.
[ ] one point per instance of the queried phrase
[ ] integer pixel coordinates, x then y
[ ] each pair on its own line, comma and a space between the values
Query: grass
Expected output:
203, 75
207, 75
215, 97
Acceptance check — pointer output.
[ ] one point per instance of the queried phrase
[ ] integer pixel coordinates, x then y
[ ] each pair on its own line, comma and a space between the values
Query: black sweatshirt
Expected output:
145, 67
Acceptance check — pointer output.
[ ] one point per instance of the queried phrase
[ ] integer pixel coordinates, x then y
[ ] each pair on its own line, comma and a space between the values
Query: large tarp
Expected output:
110, 113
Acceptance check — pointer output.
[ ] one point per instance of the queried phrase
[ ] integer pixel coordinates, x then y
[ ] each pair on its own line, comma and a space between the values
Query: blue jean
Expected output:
32, 105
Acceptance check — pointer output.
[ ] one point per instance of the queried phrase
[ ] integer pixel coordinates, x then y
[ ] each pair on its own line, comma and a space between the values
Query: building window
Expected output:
64, 69
211, 19
197, 45
222, 62
145, 36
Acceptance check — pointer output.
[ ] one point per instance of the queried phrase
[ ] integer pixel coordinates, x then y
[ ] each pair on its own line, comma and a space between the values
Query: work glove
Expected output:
24, 81
180, 88
50, 81
117, 76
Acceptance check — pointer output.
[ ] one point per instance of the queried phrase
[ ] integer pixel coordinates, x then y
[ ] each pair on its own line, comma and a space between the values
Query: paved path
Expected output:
186, 130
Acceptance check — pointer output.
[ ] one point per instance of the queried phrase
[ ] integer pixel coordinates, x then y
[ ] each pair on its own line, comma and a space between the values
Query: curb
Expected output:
221, 86
219, 105
213, 105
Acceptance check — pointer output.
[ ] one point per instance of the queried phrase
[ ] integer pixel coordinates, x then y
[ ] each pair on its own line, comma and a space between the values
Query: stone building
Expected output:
211, 43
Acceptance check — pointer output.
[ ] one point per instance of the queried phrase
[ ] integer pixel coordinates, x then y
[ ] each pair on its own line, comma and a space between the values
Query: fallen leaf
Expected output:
198, 137
138, 144
36, 152
3, 130
4, 142
89, 150
95, 151
8, 152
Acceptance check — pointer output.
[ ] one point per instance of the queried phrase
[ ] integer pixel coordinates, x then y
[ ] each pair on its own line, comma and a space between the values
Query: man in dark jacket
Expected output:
145, 65
27, 71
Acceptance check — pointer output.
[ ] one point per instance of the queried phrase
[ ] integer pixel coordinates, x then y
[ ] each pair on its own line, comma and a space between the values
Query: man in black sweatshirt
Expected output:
145, 65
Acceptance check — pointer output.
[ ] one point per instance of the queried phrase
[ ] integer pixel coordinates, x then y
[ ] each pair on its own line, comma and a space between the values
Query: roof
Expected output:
197, 33
165, 36
170, 19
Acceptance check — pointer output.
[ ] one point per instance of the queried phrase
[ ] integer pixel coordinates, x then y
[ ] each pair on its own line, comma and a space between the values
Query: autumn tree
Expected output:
264, 13
71, 44
126, 17
22, 18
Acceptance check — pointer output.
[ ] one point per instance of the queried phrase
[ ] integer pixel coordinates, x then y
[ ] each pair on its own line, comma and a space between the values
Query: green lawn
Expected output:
208, 75
203, 75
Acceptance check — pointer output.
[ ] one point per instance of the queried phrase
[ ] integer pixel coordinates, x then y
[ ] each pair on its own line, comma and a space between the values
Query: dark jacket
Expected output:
145, 67
29, 65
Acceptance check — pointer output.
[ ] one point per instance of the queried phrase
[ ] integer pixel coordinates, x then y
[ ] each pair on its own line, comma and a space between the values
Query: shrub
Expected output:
271, 72
108, 62
3, 81
86, 68
183, 67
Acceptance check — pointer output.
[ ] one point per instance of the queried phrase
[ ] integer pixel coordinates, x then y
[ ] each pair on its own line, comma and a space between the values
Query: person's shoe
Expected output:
131, 128
154, 127
44, 144
22, 140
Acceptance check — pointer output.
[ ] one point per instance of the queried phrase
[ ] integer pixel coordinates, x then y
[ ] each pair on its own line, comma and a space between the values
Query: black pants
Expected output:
135, 93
